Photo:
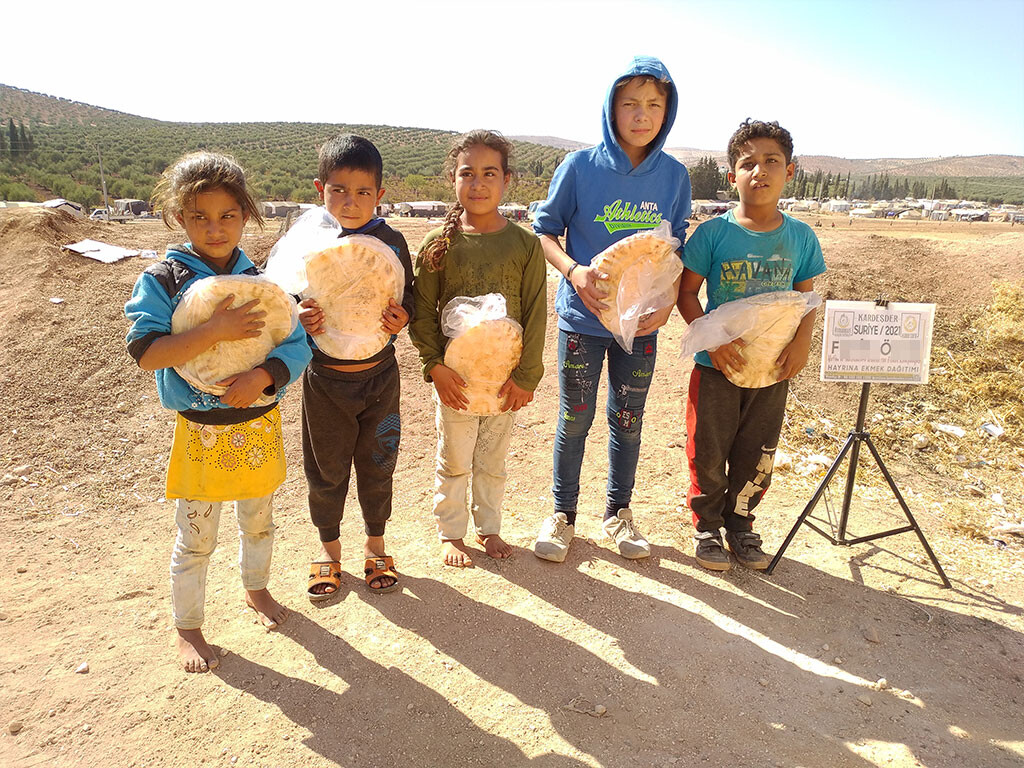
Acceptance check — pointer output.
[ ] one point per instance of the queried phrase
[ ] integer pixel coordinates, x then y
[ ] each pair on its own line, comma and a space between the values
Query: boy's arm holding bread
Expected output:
794, 356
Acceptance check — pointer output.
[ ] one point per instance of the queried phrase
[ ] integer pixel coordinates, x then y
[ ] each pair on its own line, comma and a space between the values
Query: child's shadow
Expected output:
383, 718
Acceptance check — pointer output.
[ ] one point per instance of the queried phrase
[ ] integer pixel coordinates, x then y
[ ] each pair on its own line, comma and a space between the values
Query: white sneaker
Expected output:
554, 537
623, 532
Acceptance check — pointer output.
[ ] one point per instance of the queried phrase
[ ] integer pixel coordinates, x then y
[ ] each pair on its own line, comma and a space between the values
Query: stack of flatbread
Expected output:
352, 282
634, 265
230, 358
485, 356
778, 315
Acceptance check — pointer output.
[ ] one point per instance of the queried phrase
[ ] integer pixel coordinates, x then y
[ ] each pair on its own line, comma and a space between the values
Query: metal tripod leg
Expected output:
819, 491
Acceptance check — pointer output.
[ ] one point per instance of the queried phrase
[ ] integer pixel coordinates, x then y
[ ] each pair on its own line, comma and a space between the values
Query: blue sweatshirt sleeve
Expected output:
149, 310
682, 209
294, 352
555, 213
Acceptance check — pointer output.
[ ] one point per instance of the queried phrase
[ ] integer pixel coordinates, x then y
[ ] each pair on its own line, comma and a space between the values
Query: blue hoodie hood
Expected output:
609, 152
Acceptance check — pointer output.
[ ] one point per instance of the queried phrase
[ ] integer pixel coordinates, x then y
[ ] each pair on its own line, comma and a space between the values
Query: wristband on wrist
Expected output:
568, 272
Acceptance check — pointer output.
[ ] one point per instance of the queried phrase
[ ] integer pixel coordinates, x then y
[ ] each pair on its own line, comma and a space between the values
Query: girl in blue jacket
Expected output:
224, 449
598, 196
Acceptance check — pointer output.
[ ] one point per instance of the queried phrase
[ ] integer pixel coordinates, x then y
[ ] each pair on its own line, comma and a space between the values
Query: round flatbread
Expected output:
229, 358
624, 262
778, 316
352, 282
485, 356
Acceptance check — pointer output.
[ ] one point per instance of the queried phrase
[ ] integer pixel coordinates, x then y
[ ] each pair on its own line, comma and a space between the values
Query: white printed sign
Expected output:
869, 343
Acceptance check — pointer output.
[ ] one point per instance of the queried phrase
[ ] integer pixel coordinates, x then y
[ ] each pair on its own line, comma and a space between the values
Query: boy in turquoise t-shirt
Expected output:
732, 432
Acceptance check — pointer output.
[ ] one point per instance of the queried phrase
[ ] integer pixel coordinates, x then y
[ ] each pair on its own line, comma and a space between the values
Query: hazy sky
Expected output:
868, 78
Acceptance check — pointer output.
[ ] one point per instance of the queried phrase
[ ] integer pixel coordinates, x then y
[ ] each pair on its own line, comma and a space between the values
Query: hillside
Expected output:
279, 157
922, 167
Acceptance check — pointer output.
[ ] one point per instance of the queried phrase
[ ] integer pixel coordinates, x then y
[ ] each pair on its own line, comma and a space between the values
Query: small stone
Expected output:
51, 713
881, 684
86, 728
83, 668
409, 707
871, 635
14, 727
920, 441
285, 736
223, 652
22, 471
21, 569
234, 759
763, 682
824, 647
864, 699
224, 751
837, 660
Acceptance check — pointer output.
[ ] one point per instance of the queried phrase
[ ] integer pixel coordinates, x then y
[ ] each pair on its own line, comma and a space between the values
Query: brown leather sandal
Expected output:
375, 567
323, 572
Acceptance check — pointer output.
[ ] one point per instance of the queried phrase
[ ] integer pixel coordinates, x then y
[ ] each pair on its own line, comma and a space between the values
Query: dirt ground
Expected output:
845, 656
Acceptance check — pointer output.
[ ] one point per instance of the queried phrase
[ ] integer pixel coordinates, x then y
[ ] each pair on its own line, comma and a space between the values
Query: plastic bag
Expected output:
642, 270
351, 278
484, 348
230, 358
767, 322
313, 231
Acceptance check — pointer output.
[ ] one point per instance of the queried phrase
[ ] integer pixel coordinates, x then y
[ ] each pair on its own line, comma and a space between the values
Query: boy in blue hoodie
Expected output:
599, 196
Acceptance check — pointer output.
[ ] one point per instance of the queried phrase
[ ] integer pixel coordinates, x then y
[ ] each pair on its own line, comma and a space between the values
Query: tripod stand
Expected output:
852, 446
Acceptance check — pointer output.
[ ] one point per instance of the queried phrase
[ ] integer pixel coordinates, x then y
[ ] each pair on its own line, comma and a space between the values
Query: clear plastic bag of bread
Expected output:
642, 270
484, 348
230, 358
350, 277
766, 322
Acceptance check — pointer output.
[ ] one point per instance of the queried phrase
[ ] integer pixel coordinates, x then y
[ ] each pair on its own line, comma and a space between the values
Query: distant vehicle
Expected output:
422, 208
130, 207
105, 214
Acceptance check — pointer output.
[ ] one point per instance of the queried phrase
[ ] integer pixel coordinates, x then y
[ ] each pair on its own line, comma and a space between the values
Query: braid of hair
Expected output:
433, 255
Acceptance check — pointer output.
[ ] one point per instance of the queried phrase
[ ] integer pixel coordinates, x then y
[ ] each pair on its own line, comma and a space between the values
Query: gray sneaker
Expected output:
746, 546
710, 552
554, 537
623, 532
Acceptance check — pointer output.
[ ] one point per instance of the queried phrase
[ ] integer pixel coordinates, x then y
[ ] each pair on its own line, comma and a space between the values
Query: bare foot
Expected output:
374, 547
271, 613
196, 654
495, 546
330, 552
456, 553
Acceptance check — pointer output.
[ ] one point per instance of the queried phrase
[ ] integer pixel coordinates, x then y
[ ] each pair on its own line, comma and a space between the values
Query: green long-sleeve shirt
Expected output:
509, 262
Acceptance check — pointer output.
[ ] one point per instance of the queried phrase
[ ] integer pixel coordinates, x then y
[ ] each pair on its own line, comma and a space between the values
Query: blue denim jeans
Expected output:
580, 361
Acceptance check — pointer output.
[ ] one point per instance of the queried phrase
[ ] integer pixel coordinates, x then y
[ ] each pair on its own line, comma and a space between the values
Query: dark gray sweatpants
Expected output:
731, 437
350, 419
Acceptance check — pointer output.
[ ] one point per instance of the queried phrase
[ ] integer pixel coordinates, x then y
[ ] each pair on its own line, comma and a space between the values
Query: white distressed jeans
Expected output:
197, 538
470, 445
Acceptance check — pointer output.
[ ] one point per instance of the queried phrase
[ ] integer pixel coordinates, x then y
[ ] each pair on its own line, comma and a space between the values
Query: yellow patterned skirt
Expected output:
211, 462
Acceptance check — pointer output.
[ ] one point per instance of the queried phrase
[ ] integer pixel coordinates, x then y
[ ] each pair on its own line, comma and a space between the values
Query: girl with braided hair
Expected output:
477, 251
